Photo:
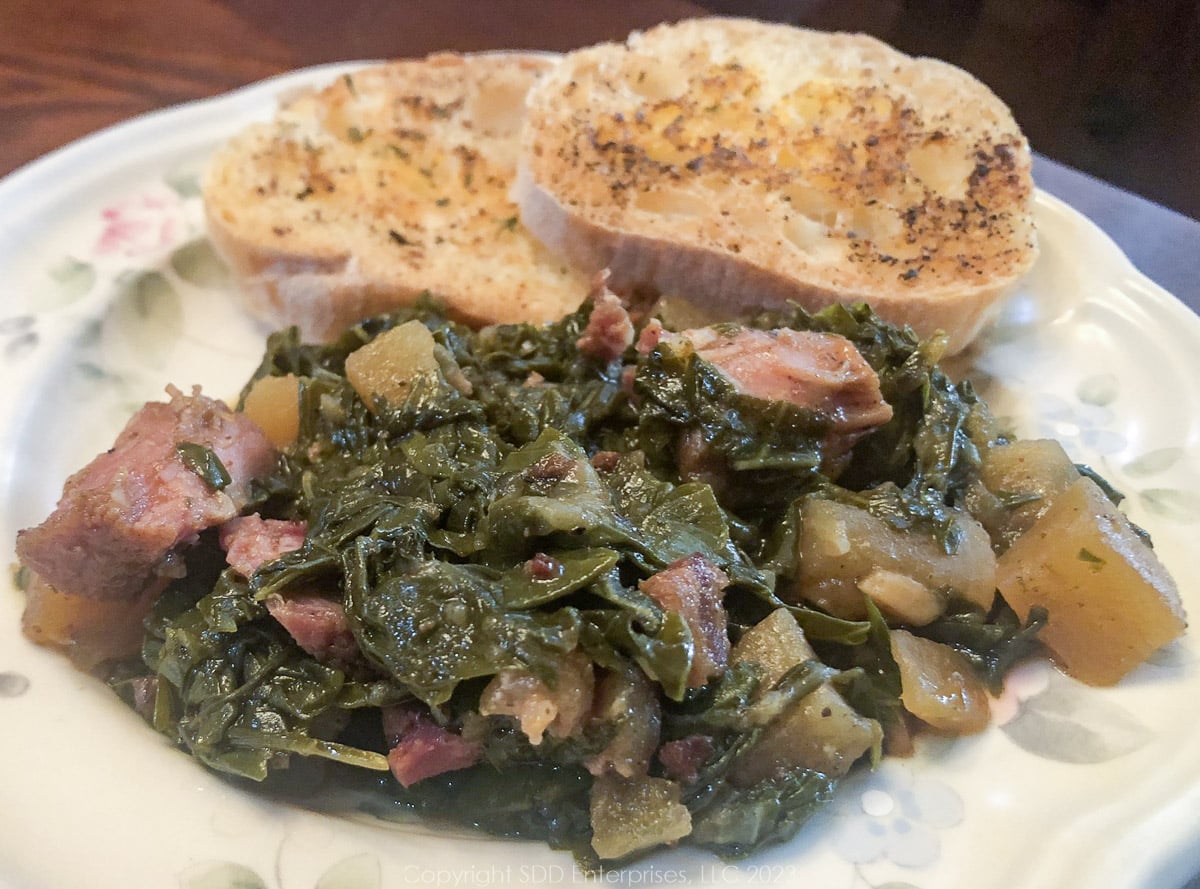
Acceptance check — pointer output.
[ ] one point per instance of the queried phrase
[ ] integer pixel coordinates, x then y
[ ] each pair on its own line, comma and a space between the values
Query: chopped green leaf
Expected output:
204, 463
489, 538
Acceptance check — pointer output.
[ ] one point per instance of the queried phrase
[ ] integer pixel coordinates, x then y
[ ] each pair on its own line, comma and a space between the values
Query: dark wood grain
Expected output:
69, 67
1109, 86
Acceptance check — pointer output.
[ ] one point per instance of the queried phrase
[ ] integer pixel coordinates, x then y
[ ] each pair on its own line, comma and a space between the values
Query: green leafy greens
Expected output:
502, 518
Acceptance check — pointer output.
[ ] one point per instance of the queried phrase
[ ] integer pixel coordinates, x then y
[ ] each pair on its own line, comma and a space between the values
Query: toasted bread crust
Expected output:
739, 164
390, 182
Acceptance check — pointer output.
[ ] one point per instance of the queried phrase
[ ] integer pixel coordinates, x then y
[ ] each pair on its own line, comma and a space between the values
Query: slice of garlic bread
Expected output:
392, 181
735, 163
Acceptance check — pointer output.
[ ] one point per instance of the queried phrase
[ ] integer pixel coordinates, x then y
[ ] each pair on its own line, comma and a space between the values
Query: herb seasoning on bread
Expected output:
737, 164
392, 181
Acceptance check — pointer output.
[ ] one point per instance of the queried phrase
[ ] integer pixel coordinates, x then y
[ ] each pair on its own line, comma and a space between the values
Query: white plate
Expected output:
108, 293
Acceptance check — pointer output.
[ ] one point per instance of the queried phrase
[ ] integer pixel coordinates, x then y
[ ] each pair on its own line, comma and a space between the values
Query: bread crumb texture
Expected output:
828, 160
391, 181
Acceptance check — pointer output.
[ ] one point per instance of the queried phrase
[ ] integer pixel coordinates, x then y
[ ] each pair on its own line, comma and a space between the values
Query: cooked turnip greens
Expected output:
610, 604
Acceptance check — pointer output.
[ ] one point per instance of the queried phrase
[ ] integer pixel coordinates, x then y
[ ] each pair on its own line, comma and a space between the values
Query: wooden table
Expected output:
70, 67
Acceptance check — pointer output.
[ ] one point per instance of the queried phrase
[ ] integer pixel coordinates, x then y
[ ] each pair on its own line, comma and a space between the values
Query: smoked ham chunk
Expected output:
683, 758
609, 330
318, 625
419, 748
252, 541
821, 371
120, 519
692, 587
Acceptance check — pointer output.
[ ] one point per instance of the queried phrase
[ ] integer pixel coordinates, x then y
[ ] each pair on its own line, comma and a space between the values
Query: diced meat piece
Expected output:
606, 461
561, 710
319, 626
609, 330
821, 371
543, 567
420, 748
252, 541
628, 700
699, 463
650, 336
683, 759
554, 467
692, 587
121, 517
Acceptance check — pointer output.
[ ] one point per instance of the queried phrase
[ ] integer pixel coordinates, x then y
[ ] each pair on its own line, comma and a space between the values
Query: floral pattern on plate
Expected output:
893, 814
356, 872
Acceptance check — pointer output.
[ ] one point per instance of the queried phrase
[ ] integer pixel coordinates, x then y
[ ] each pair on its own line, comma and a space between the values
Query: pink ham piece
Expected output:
606, 461
121, 518
692, 587
650, 336
821, 371
609, 330
317, 623
543, 567
682, 759
419, 748
252, 541
319, 626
